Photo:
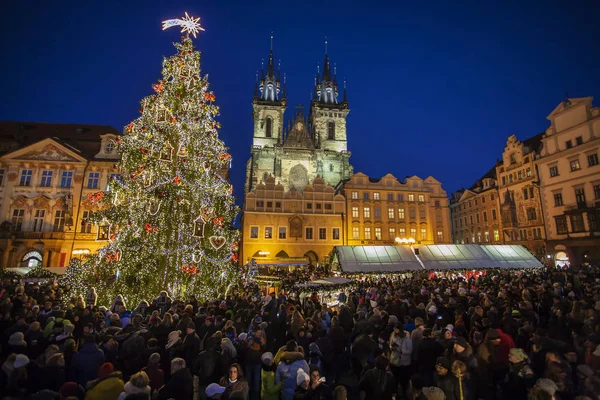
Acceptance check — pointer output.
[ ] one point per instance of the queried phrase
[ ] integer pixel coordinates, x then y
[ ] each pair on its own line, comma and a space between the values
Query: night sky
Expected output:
434, 87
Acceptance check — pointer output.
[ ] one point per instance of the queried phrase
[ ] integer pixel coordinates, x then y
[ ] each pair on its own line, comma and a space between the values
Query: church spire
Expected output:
326, 88
270, 82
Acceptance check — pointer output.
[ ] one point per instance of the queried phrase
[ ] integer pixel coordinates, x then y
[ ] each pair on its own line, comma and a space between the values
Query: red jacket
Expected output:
506, 343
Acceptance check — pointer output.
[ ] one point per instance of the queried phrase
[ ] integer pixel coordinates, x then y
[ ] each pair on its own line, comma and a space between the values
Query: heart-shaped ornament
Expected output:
217, 241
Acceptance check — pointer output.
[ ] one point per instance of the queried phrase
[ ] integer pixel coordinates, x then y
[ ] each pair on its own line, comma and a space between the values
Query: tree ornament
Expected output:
154, 206
199, 225
217, 241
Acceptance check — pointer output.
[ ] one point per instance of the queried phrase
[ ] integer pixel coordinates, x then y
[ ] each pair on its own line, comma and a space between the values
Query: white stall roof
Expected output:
374, 259
473, 256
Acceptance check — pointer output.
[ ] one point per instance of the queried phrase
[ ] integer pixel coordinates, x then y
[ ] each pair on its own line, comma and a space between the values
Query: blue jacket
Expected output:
287, 372
86, 362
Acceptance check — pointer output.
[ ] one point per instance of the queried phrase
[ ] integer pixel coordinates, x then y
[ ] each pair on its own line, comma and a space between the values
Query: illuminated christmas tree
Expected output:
169, 214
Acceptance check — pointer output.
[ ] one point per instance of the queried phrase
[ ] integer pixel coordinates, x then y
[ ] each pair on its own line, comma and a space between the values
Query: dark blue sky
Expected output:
434, 87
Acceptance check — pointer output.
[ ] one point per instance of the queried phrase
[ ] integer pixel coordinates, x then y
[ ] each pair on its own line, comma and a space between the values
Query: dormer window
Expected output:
513, 159
109, 147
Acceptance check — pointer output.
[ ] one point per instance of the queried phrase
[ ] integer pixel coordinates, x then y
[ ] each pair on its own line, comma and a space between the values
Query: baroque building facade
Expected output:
569, 170
46, 173
380, 211
475, 213
519, 193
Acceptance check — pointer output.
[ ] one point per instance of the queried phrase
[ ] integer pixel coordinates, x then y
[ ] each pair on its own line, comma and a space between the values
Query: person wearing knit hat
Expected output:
433, 393
302, 379
267, 358
105, 370
214, 391
547, 385
21, 360
72, 389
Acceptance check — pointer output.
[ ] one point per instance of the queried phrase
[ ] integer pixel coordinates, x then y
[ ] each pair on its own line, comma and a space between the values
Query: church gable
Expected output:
45, 150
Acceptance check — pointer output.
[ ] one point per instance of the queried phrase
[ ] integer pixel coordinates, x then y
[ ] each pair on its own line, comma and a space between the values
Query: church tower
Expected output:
328, 114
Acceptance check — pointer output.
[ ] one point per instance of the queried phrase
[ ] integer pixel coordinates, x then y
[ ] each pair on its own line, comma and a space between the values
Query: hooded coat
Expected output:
287, 371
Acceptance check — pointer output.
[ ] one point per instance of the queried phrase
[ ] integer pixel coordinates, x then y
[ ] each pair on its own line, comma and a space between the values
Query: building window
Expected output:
579, 140
377, 212
531, 214
411, 197
503, 180
309, 206
331, 130
392, 232
594, 220
38, 220
568, 144
93, 178
422, 213
269, 204
492, 197
400, 197
520, 175
554, 171
470, 204
278, 204
282, 232
26, 177
577, 223
109, 147
367, 233
391, 213
86, 226
496, 236
260, 203
528, 172
366, 212
558, 201
592, 160
328, 206
309, 233
437, 203
525, 194
376, 196
322, 233
269, 127
17, 219
366, 196
478, 237
423, 233
354, 195
1, 176
330, 167
471, 219
485, 216
268, 232
477, 218
66, 179
354, 212
513, 158
510, 178
440, 236
561, 224
531, 196
335, 233
318, 206
390, 196
574, 164
482, 199
597, 192
402, 233
46, 179
494, 215
413, 233
580, 196
355, 234
421, 198
401, 213
377, 233
59, 221
486, 236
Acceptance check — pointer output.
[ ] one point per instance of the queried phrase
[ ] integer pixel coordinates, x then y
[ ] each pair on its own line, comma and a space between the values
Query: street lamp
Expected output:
409, 241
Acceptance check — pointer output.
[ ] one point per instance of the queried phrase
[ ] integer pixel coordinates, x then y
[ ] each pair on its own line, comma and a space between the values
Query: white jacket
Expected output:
401, 350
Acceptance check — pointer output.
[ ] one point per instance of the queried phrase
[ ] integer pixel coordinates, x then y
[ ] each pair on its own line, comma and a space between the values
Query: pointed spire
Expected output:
284, 95
269, 86
256, 86
345, 94
272, 34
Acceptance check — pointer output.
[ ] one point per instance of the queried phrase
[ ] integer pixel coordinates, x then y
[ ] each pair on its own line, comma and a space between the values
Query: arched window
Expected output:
269, 127
331, 130
32, 259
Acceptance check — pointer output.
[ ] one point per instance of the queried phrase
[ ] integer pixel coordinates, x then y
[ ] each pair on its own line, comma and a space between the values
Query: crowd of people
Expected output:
503, 335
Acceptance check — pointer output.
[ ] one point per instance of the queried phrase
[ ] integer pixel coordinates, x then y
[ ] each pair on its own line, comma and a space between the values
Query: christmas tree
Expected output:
169, 214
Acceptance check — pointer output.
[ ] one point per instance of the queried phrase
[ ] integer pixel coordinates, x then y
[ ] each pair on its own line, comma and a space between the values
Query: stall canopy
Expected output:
376, 259
282, 262
472, 256
332, 281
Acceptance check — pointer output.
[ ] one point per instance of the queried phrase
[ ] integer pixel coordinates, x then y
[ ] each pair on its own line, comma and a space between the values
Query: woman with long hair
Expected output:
234, 382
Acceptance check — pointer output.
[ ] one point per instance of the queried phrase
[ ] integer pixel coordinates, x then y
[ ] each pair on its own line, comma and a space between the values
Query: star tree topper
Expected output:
188, 24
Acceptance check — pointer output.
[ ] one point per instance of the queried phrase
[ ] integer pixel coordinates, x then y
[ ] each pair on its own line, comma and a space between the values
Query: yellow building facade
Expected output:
46, 173
378, 211
284, 224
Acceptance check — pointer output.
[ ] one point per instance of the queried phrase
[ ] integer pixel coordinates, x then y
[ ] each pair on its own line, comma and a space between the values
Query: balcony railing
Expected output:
33, 235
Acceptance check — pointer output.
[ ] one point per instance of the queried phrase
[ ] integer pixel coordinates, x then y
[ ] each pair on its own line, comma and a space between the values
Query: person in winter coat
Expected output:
234, 383
156, 375
208, 365
463, 389
520, 377
401, 352
86, 361
444, 380
463, 351
316, 389
429, 351
287, 370
378, 383
269, 390
138, 384
191, 344
181, 384
108, 385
